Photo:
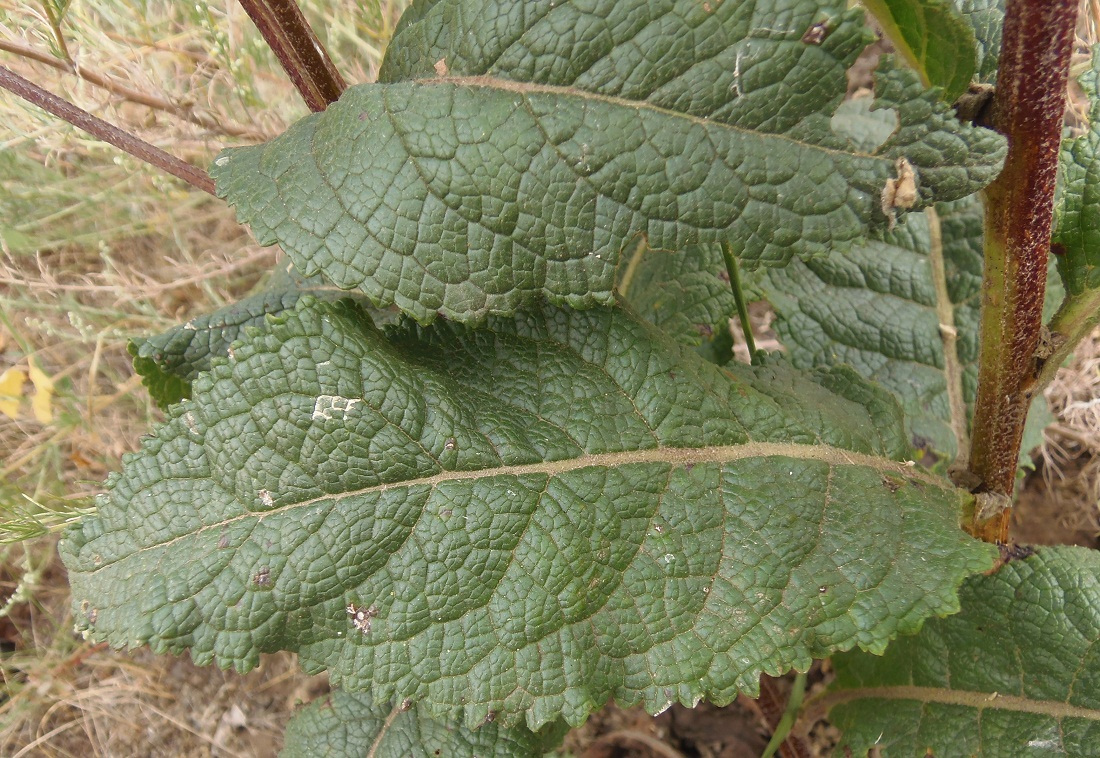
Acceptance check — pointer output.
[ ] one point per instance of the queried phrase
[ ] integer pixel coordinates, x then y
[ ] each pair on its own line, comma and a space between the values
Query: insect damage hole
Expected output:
816, 34
361, 617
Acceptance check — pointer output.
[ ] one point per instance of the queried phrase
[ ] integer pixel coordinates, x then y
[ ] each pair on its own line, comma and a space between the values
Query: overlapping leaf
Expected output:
349, 725
530, 518
878, 308
933, 38
515, 148
686, 294
169, 362
1017, 672
1077, 218
986, 18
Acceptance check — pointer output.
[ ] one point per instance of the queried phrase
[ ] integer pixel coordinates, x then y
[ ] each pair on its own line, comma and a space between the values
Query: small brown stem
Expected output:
299, 51
97, 127
1028, 109
130, 94
772, 705
58, 35
625, 737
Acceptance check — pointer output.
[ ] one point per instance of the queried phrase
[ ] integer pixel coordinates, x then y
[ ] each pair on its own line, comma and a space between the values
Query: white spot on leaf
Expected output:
326, 406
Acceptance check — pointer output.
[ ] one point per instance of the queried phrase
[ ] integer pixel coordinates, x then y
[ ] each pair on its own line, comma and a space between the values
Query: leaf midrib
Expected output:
968, 698
383, 732
833, 456
948, 332
529, 88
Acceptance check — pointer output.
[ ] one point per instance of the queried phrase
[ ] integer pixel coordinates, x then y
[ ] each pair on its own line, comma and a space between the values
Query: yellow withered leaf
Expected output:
11, 391
42, 402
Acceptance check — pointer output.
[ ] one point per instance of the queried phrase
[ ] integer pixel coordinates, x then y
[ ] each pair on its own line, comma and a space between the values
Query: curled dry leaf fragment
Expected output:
989, 504
900, 192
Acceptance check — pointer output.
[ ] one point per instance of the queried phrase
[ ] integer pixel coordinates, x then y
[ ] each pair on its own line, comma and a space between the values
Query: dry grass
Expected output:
1071, 446
96, 247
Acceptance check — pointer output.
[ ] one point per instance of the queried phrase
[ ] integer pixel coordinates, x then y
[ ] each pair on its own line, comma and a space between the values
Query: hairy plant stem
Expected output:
97, 127
1028, 109
299, 51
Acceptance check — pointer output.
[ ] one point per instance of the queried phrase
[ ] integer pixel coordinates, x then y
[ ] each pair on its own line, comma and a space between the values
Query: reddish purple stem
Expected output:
97, 127
298, 49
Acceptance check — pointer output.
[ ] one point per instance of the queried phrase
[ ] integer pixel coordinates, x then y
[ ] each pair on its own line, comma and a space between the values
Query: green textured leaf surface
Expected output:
349, 725
986, 18
563, 130
535, 517
685, 293
1077, 206
1016, 673
169, 362
875, 308
164, 386
933, 38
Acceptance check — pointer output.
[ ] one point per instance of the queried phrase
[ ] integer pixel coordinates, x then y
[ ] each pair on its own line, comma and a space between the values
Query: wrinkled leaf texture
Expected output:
877, 308
350, 725
170, 361
512, 150
1016, 673
1077, 216
530, 518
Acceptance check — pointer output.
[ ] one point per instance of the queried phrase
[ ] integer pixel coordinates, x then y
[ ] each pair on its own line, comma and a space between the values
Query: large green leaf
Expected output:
516, 148
534, 517
1016, 673
349, 725
933, 38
